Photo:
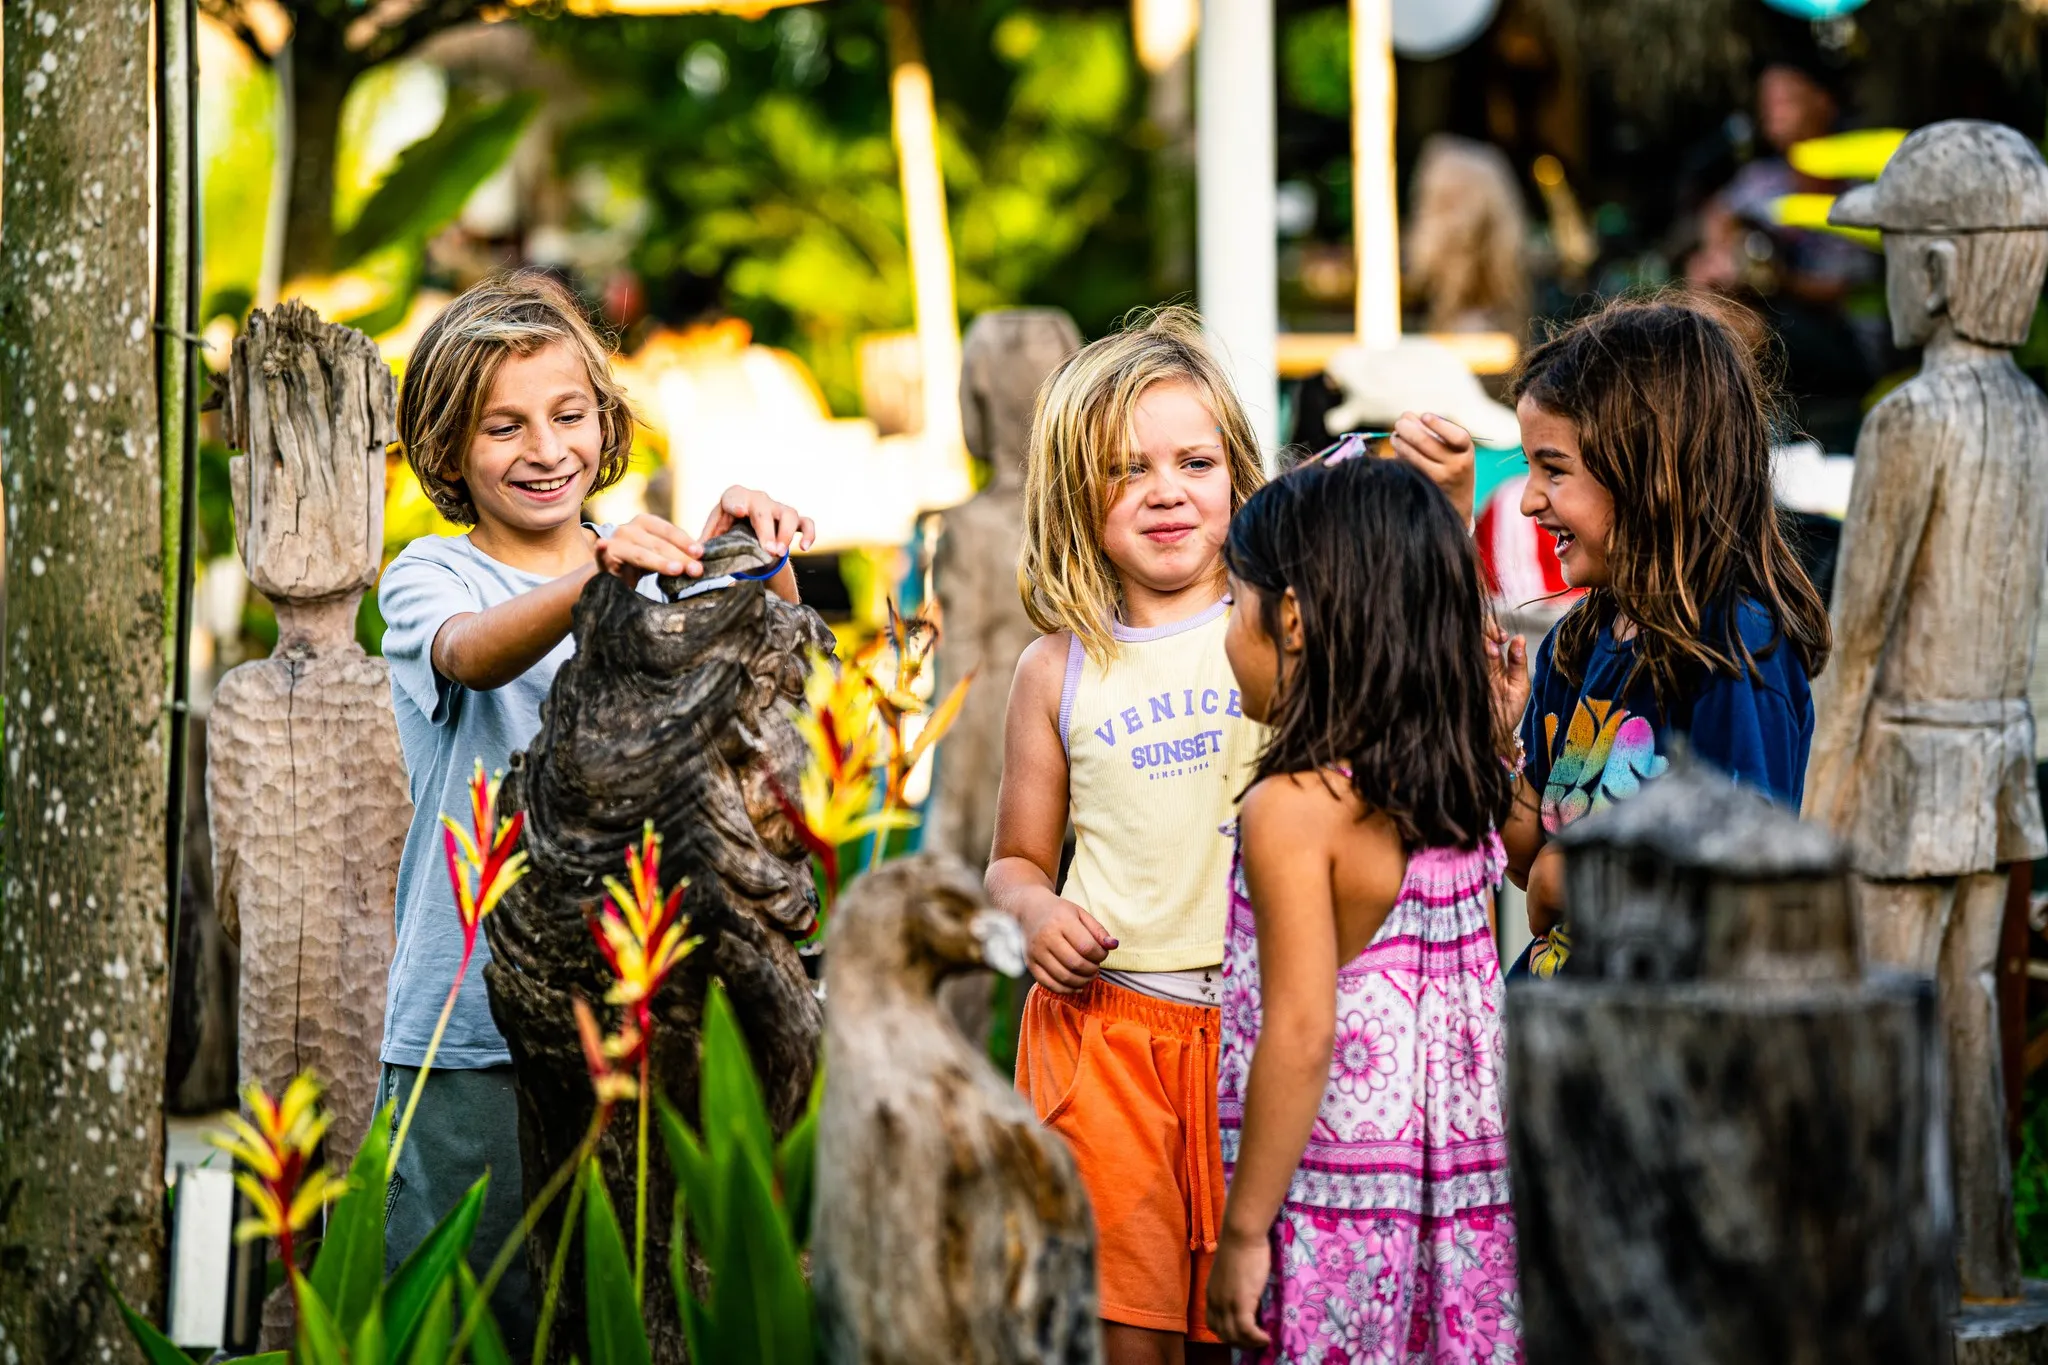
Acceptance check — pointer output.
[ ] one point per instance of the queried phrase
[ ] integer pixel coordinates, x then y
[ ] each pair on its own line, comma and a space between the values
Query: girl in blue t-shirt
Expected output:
1648, 432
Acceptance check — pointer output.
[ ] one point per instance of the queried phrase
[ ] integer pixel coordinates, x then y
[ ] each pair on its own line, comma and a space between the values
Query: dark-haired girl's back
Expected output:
1647, 428
1359, 1076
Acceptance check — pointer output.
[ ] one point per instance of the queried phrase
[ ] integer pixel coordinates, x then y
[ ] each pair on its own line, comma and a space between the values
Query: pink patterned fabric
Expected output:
1396, 1242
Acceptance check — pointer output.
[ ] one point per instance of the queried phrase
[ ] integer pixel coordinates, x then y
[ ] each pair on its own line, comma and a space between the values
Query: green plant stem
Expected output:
419, 1083
517, 1241
556, 1263
640, 1186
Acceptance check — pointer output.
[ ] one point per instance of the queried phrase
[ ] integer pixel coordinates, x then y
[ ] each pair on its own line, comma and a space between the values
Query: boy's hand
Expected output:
1236, 1280
1064, 944
1509, 657
779, 527
646, 545
1441, 449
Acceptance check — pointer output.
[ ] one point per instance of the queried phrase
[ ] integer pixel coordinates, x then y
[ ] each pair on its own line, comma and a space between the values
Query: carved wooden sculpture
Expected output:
1725, 1139
305, 782
678, 713
952, 1228
1005, 356
1923, 748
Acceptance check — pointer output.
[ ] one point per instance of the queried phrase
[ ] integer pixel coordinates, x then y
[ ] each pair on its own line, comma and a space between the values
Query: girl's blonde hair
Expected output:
1082, 439
448, 380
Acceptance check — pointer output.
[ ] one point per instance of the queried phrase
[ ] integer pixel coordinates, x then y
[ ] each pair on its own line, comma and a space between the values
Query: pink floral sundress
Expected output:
1396, 1242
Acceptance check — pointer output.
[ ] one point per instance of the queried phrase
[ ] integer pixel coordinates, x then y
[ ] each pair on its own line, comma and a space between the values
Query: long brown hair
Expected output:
1673, 411
1393, 681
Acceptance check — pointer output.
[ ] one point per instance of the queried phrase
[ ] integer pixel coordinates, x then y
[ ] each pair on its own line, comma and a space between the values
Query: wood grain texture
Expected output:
1727, 1143
1703, 1173
952, 1227
680, 714
1923, 748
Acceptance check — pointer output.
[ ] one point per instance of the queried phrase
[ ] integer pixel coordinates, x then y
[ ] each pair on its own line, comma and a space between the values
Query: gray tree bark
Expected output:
82, 918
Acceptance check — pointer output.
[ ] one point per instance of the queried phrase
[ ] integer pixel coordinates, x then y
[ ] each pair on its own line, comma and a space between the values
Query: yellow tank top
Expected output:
1158, 748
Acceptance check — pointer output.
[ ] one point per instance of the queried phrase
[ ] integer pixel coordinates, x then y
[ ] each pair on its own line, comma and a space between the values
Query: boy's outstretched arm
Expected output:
487, 649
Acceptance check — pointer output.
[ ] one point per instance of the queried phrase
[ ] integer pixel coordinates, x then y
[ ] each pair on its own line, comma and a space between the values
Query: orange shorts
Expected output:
1130, 1082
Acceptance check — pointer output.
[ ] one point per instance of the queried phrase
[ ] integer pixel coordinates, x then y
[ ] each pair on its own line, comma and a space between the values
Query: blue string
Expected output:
755, 575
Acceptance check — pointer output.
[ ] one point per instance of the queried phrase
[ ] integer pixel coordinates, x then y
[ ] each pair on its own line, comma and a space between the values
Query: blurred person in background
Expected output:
1466, 268
1800, 280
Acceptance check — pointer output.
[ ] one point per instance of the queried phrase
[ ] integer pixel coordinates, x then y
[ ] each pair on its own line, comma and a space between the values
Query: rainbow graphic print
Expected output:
1607, 756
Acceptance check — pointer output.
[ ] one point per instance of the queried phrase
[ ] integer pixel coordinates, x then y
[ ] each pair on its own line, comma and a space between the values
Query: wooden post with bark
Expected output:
679, 713
1727, 1140
82, 917
305, 783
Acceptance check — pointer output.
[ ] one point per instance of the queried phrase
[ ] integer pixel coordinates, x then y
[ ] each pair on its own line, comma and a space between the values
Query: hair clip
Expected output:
1347, 447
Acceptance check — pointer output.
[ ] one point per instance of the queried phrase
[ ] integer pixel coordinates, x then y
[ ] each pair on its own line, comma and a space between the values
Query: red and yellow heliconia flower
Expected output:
641, 932
842, 727
603, 1056
482, 862
275, 1147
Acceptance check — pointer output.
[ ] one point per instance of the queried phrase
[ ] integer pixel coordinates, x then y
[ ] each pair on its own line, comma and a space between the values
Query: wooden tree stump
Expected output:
952, 1227
680, 714
1727, 1142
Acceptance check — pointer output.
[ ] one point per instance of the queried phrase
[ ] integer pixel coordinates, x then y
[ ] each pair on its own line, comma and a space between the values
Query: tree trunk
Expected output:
82, 972
322, 69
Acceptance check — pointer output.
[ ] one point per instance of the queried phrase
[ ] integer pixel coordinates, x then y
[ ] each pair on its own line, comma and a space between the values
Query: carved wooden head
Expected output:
1963, 206
310, 405
1004, 357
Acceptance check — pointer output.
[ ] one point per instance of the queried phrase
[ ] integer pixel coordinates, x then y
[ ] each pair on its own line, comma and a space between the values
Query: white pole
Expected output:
1237, 271
1375, 230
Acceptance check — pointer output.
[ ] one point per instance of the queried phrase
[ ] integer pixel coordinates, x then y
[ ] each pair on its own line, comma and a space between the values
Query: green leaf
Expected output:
759, 1301
796, 1162
435, 177
696, 1329
349, 1270
436, 1330
157, 1348
319, 1339
267, 1358
697, 1186
369, 1338
617, 1336
412, 1288
486, 1347
734, 1114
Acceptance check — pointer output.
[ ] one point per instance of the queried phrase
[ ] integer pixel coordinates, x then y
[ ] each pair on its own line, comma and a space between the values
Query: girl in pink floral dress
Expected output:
1359, 1078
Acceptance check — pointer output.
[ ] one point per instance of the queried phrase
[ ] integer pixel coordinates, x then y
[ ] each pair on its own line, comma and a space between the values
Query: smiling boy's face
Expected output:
538, 447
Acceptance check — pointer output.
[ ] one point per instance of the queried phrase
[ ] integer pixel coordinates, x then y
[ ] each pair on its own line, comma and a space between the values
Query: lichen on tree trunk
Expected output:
82, 928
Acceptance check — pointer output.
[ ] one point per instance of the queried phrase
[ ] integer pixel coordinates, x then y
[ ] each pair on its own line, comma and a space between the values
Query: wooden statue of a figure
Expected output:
1923, 751
1004, 358
306, 787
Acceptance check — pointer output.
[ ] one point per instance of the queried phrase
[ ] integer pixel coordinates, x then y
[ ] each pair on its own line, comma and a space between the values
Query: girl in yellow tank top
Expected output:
1124, 723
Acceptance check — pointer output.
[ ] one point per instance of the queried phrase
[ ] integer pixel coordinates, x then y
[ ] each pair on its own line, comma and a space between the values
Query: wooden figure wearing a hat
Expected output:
1923, 749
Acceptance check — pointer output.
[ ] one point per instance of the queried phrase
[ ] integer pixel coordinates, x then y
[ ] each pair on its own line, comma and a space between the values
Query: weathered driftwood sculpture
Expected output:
1923, 755
1004, 358
952, 1228
678, 713
304, 780
1726, 1140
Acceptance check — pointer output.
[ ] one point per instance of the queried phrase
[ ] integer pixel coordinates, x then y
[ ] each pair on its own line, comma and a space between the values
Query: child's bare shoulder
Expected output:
1313, 806
1041, 669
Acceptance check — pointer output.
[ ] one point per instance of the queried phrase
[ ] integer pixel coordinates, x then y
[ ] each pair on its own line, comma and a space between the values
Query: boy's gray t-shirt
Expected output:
444, 729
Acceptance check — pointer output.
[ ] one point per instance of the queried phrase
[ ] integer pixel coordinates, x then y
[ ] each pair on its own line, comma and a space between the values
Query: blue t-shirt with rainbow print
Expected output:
1598, 740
